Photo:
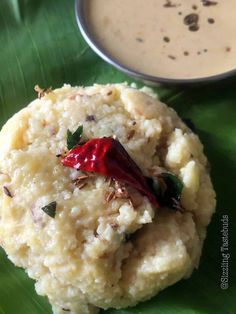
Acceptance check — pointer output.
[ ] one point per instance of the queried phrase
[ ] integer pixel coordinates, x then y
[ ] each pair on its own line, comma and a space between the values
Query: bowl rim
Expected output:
91, 41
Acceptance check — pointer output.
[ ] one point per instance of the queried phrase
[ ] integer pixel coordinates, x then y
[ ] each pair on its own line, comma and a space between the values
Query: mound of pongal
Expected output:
105, 196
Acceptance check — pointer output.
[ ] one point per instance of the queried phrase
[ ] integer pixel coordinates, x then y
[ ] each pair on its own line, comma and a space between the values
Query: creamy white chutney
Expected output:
177, 39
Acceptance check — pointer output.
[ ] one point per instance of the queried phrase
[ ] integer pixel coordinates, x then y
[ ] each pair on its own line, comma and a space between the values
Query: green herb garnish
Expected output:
50, 209
73, 139
168, 189
173, 184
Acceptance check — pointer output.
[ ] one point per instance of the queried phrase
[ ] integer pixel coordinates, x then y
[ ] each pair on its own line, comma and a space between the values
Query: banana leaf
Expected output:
40, 44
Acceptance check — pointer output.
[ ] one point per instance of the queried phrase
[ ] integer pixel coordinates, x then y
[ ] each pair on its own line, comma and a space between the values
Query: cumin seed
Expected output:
171, 57
90, 117
81, 185
208, 3
7, 192
109, 196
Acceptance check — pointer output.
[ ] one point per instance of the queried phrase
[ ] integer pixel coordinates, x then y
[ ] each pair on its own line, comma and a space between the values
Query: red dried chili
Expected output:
108, 157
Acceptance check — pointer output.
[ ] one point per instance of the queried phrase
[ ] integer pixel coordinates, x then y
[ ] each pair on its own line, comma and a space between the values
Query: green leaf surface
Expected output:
50, 209
74, 138
40, 44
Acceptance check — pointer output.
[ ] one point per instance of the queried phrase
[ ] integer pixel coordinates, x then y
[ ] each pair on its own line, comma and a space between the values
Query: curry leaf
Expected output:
73, 139
50, 209
167, 188
172, 193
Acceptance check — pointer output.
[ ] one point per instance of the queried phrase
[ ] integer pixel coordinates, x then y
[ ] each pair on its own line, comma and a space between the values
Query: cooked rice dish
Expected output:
101, 250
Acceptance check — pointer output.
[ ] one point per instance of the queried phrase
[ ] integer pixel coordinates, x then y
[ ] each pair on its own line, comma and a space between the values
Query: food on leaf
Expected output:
88, 225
